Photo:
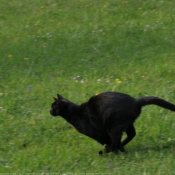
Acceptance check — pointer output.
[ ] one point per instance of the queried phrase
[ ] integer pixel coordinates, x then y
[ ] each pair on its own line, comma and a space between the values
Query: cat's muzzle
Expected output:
52, 113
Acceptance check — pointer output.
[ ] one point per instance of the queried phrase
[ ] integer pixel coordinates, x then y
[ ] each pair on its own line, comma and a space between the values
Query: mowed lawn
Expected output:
78, 49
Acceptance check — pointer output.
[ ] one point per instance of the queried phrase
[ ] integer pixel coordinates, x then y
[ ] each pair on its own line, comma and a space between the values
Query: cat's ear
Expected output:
59, 97
55, 99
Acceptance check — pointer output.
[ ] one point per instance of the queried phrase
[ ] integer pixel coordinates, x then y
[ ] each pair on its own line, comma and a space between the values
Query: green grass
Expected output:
46, 45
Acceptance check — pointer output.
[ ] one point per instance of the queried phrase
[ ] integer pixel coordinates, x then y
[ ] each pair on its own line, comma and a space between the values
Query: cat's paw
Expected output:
122, 149
100, 153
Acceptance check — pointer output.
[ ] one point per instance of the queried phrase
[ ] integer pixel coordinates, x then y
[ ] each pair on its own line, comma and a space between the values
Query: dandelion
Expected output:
140, 8
118, 81
41, 7
25, 58
1, 93
10, 56
96, 93
104, 6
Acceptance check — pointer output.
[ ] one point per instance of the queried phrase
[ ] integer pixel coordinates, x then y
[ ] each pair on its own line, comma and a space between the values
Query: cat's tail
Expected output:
155, 101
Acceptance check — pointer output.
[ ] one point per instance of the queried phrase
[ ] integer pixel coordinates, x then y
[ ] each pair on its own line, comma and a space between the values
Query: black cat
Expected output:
106, 116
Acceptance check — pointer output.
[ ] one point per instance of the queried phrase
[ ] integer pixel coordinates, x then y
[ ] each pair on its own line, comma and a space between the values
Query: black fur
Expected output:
106, 116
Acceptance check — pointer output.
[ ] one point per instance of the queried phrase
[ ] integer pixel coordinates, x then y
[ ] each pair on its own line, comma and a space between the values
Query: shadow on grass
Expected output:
159, 148
142, 150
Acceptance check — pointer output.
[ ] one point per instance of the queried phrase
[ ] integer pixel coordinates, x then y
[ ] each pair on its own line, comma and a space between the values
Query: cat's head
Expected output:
57, 105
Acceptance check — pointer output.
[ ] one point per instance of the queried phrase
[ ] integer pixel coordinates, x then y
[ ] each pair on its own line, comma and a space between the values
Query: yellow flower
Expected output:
10, 56
41, 7
25, 58
104, 6
96, 93
1, 93
118, 81
140, 8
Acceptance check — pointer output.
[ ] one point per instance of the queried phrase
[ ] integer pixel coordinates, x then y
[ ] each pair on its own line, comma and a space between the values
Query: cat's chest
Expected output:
87, 127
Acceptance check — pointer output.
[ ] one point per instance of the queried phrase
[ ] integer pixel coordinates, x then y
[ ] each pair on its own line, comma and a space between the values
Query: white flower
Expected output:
98, 81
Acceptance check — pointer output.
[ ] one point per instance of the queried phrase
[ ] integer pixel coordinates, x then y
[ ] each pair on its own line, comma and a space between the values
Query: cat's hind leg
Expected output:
131, 133
115, 135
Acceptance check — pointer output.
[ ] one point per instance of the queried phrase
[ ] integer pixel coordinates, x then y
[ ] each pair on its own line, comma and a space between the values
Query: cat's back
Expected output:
112, 100
112, 97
